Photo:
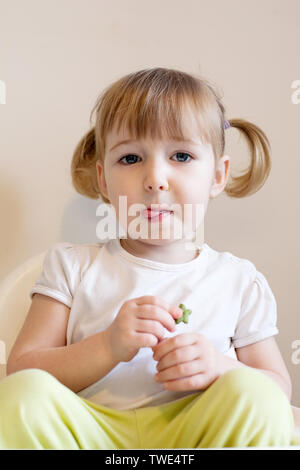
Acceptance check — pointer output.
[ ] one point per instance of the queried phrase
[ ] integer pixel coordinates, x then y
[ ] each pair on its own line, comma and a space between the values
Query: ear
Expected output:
221, 177
101, 178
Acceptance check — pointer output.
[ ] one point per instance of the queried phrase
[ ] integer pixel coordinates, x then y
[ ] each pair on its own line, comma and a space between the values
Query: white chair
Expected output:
15, 302
14, 305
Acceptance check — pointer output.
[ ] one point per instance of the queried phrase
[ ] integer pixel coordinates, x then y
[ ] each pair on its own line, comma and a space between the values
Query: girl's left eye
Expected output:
182, 154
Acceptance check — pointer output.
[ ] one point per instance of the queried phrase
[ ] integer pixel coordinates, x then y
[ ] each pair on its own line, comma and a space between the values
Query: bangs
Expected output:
154, 103
159, 117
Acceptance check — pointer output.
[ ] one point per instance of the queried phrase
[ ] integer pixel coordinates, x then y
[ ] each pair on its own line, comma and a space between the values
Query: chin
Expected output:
159, 241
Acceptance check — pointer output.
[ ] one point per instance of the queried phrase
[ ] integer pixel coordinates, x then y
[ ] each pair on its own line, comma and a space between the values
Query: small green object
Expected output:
185, 315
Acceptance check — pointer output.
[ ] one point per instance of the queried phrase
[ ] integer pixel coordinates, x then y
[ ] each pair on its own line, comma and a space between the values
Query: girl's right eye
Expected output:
130, 158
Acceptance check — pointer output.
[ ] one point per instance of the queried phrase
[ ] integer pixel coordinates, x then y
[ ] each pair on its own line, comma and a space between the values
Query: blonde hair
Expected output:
151, 100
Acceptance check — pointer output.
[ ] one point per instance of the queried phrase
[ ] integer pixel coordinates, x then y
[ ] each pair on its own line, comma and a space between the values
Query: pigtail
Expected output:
83, 167
260, 165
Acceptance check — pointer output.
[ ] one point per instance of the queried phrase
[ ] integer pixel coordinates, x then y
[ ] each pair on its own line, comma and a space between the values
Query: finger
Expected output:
179, 371
173, 310
157, 313
194, 383
150, 326
173, 343
178, 356
143, 340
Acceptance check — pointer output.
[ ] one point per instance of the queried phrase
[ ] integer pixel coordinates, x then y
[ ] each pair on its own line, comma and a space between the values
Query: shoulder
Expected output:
231, 264
73, 257
63, 268
239, 275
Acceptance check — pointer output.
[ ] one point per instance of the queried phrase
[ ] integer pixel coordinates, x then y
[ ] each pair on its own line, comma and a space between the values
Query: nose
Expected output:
155, 180
160, 187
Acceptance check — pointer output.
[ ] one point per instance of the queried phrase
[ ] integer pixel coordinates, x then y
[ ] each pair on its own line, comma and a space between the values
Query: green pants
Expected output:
242, 408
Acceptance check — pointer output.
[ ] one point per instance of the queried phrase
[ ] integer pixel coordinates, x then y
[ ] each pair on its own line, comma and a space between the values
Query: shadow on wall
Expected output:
81, 218
14, 227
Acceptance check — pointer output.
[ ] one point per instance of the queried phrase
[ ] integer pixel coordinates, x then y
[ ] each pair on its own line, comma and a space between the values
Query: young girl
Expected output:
101, 362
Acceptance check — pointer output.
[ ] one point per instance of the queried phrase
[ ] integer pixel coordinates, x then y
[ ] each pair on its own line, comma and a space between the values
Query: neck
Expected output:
174, 252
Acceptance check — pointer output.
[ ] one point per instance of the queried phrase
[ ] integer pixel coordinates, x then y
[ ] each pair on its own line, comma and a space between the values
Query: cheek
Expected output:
127, 207
196, 191
193, 215
194, 201
117, 187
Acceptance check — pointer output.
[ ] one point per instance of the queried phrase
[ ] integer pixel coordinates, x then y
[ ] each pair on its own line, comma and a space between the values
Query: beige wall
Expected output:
57, 55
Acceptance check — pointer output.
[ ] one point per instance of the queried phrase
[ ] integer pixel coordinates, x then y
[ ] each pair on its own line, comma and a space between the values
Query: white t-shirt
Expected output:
231, 302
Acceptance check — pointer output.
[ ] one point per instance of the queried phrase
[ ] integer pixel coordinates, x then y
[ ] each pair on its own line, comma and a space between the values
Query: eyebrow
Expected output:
123, 142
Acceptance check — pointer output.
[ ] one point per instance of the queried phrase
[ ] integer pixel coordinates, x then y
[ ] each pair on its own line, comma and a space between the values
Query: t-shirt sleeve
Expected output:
59, 273
258, 317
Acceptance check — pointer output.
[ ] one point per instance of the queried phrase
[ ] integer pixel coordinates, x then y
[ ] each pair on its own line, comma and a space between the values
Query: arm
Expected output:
41, 344
264, 356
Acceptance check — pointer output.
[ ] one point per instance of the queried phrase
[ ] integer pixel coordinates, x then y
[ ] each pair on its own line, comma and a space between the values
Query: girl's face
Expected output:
179, 175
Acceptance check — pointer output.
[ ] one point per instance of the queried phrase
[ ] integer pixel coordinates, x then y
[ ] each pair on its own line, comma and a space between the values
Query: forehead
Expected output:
189, 130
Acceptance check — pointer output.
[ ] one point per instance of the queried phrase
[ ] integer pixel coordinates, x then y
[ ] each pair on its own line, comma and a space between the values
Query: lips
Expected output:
158, 207
152, 213
155, 214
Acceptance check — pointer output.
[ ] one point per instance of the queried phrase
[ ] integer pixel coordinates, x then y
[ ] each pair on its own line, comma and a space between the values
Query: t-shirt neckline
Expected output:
202, 250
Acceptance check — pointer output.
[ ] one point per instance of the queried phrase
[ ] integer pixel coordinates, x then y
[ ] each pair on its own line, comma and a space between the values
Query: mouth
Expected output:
155, 215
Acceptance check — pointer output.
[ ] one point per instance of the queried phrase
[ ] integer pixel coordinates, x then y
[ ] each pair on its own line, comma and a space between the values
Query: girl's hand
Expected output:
140, 323
187, 362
